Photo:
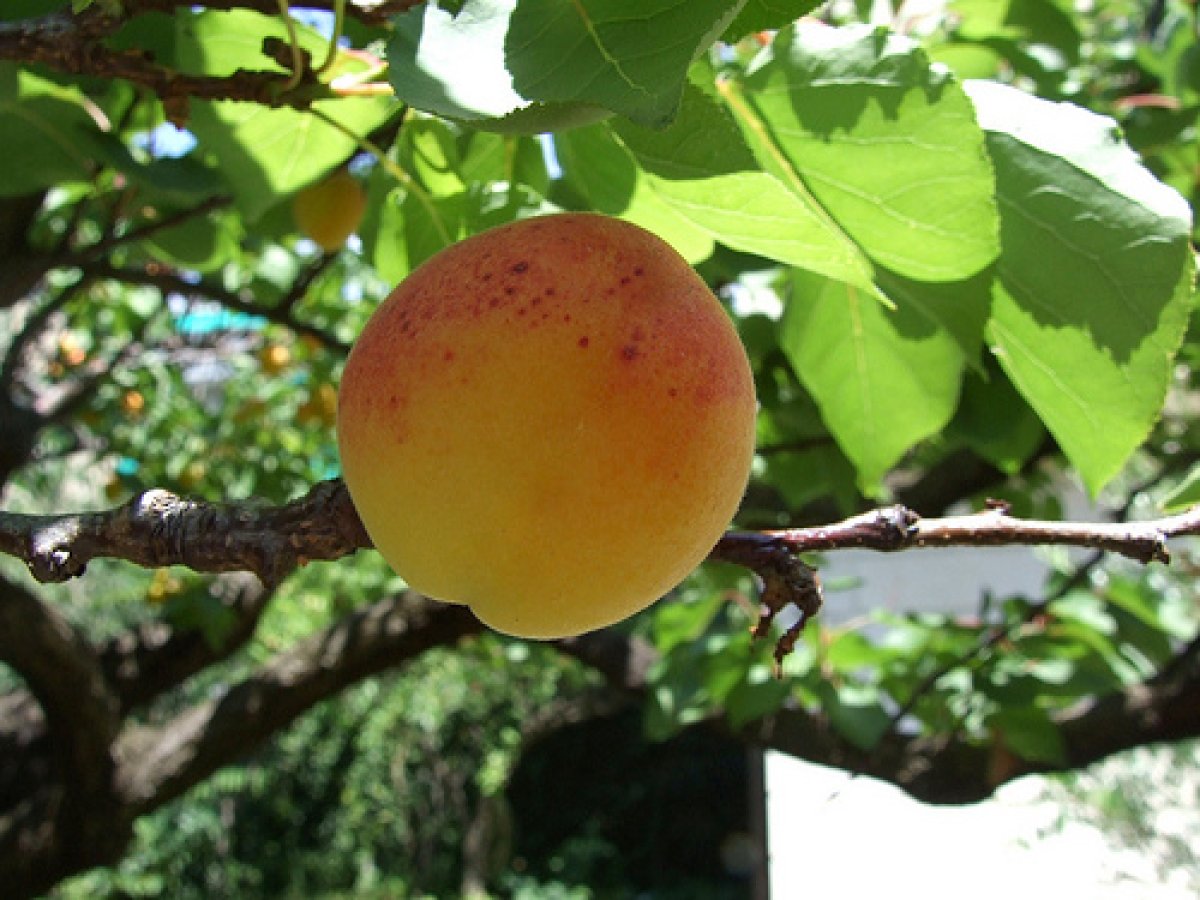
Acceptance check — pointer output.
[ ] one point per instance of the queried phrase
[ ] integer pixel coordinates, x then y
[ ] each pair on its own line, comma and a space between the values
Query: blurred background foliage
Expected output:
505, 766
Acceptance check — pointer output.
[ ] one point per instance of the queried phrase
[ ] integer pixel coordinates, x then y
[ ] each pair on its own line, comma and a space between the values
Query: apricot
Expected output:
274, 358
329, 211
551, 421
133, 403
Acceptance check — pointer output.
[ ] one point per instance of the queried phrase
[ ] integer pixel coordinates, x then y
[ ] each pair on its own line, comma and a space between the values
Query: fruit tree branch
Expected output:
63, 674
75, 43
788, 581
80, 716
157, 763
898, 528
154, 656
47, 833
158, 528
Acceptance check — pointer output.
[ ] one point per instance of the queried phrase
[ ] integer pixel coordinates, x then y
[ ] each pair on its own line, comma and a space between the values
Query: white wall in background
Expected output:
830, 835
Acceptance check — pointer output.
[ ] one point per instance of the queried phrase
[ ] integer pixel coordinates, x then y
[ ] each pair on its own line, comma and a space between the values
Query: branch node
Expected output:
896, 525
785, 581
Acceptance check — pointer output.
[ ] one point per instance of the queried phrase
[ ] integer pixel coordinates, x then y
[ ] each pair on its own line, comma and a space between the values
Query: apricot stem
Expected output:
339, 23
294, 42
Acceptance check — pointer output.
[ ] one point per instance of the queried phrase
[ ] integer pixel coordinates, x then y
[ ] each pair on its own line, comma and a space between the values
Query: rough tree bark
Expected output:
77, 770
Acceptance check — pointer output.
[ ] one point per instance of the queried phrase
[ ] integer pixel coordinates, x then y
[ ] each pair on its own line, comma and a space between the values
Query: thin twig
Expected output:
899, 528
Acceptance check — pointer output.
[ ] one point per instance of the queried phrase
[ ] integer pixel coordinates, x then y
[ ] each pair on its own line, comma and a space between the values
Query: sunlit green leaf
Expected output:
608, 179
883, 379
495, 58
1095, 276
885, 143
267, 153
760, 15
703, 170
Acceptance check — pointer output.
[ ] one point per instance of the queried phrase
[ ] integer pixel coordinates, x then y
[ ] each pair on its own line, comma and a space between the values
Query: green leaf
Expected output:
886, 143
1186, 494
1029, 732
170, 180
883, 379
495, 58
405, 228
266, 154
516, 160
28, 9
702, 168
996, 422
199, 610
759, 694
803, 476
428, 149
199, 243
1033, 21
1152, 605
855, 711
605, 175
47, 131
1095, 276
220, 42
765, 15
959, 308
851, 651
685, 621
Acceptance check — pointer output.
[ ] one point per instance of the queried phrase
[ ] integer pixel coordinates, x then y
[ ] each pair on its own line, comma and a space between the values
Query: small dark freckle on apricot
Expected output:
566, 318
583, 342
549, 292
629, 352
520, 268
486, 276
639, 271
448, 355
673, 392
510, 290
536, 301
625, 279
522, 311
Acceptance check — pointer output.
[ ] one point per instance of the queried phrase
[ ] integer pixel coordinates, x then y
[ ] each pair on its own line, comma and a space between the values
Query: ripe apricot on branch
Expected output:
329, 211
552, 422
